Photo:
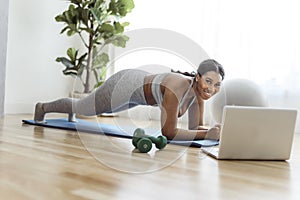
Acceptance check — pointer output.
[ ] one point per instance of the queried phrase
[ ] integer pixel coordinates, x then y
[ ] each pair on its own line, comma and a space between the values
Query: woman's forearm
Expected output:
183, 134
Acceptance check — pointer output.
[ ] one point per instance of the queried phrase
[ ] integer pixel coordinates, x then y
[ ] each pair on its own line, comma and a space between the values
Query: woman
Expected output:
174, 93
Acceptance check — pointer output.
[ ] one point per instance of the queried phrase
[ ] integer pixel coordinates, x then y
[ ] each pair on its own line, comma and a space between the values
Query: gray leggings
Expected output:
121, 91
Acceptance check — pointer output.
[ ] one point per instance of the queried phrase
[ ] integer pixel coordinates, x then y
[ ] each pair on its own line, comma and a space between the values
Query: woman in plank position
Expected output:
174, 93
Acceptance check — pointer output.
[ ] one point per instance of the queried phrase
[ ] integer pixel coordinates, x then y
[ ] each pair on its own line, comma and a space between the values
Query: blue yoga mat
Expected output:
108, 129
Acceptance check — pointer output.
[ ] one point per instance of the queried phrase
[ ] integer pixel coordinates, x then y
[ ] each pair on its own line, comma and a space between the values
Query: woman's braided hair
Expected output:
204, 67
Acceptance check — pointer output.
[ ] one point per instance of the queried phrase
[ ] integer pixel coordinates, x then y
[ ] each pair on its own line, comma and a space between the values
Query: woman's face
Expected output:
208, 85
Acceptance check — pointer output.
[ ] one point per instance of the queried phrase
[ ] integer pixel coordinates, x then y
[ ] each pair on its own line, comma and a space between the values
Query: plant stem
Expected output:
82, 39
89, 62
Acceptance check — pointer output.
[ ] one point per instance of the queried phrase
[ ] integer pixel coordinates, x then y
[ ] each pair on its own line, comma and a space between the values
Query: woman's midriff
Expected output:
148, 91
150, 99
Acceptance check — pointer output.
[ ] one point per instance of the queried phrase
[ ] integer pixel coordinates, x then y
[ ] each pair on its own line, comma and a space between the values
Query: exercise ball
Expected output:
238, 92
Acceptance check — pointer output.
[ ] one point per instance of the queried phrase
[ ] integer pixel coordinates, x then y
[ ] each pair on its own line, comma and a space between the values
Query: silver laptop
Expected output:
255, 133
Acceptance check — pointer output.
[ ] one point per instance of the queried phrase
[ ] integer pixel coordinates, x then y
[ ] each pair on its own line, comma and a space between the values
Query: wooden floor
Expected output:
43, 163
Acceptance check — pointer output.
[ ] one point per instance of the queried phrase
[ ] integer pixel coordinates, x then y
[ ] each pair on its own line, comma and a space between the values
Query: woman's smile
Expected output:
207, 94
208, 84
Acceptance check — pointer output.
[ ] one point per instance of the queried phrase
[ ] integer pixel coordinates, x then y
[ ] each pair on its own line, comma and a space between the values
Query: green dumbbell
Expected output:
137, 135
160, 142
144, 145
144, 142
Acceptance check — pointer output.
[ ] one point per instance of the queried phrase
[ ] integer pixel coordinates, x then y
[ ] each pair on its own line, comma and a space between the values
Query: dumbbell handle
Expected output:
152, 138
160, 142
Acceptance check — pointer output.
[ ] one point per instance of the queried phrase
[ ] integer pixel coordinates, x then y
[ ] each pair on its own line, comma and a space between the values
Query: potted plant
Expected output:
97, 23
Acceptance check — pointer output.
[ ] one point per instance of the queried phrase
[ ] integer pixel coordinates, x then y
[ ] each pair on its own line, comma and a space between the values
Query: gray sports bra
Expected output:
156, 92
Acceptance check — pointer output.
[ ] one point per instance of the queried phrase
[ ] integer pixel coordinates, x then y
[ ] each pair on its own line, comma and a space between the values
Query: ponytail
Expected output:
191, 74
204, 67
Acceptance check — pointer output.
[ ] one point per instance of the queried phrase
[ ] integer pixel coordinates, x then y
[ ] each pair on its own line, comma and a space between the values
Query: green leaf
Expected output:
78, 2
72, 11
70, 72
100, 61
66, 62
71, 8
97, 15
98, 84
113, 7
70, 32
60, 18
98, 3
106, 28
68, 16
103, 73
125, 6
118, 40
97, 42
85, 16
125, 24
82, 58
95, 74
73, 27
80, 69
64, 29
118, 28
85, 3
88, 30
72, 53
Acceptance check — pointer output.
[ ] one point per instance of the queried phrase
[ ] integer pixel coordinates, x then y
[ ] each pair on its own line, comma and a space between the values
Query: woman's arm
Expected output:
195, 114
169, 114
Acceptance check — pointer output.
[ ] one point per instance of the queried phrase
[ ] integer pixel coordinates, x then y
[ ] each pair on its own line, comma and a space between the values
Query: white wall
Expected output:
33, 44
3, 45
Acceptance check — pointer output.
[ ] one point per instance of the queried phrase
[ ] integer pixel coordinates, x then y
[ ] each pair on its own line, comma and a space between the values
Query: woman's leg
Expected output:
63, 105
121, 91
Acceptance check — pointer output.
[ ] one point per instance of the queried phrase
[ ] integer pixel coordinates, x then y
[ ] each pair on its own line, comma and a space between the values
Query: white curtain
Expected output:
259, 40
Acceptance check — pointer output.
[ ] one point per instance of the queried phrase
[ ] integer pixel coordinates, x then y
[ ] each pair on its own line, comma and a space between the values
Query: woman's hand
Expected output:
213, 133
